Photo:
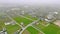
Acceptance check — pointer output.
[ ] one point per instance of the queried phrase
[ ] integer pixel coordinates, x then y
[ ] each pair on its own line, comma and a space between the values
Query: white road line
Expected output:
25, 17
46, 24
38, 30
29, 25
14, 21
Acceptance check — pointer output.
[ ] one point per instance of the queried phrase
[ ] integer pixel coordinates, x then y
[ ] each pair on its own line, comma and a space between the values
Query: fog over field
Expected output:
41, 6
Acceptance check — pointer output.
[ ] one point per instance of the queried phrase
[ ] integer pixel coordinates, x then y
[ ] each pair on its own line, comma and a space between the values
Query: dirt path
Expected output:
57, 22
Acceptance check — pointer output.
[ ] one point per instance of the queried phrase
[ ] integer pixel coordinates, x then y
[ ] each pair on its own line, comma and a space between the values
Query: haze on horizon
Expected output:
5, 3
32, 2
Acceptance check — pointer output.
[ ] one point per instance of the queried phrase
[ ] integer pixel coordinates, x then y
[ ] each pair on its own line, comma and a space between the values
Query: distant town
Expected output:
29, 18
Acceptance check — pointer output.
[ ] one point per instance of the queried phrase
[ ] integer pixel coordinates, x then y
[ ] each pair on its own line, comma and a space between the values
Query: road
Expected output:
25, 17
23, 28
29, 25
13, 20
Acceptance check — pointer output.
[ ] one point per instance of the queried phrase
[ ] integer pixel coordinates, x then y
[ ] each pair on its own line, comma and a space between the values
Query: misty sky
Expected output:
29, 1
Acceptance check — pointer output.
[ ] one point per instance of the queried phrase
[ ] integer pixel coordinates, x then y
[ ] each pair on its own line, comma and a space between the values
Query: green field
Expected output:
11, 29
51, 29
32, 30
1, 25
21, 19
2, 21
29, 16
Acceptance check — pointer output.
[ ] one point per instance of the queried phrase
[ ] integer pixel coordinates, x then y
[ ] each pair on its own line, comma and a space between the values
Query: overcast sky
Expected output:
29, 1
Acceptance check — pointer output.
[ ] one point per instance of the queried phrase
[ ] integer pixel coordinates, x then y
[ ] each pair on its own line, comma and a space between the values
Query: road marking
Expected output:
14, 20
29, 25
46, 24
25, 17
38, 30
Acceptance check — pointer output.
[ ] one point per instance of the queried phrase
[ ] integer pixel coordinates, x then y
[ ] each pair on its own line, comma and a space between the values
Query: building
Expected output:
3, 31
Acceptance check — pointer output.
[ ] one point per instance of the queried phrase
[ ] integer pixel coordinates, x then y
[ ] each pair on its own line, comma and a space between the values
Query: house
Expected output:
10, 23
3, 31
